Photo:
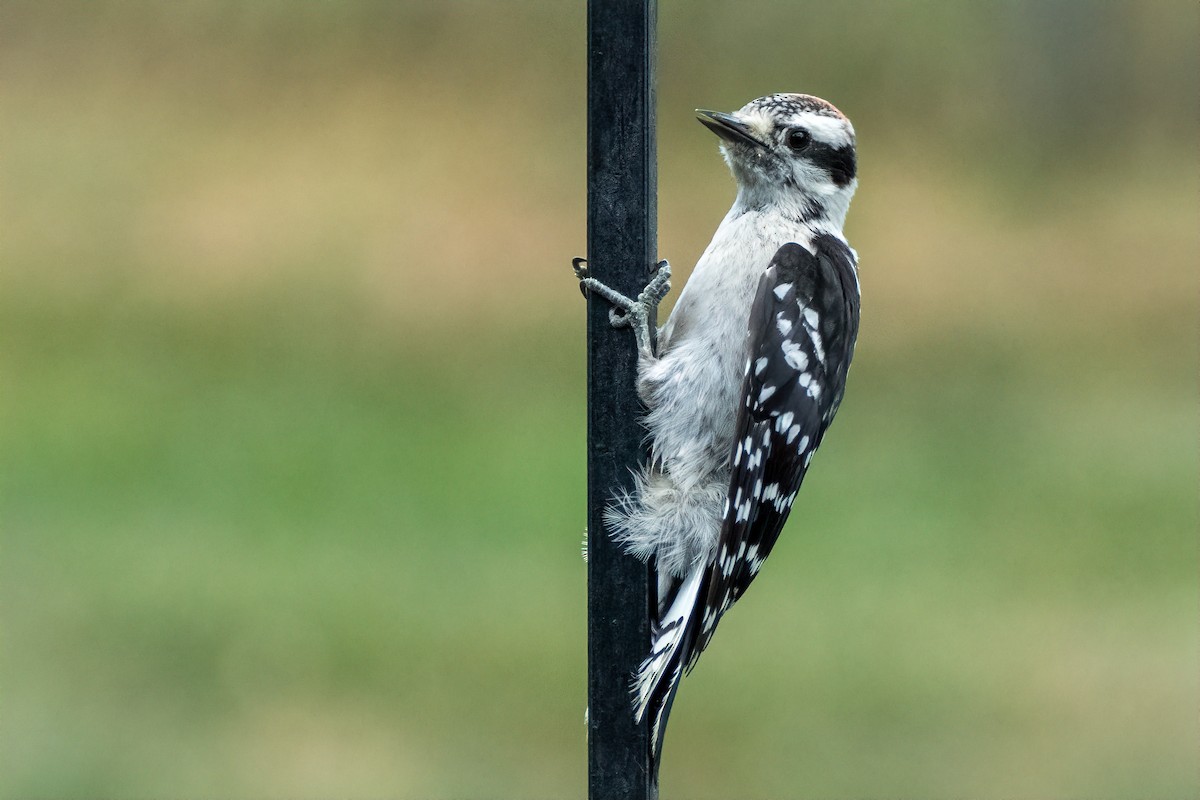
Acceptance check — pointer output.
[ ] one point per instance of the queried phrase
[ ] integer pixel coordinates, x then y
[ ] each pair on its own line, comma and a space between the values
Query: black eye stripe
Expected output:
839, 162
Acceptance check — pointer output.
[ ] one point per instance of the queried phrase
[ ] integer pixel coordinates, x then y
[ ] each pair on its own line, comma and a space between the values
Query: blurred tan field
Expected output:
292, 428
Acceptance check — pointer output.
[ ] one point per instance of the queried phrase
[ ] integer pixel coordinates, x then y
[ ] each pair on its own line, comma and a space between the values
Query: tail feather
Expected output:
658, 676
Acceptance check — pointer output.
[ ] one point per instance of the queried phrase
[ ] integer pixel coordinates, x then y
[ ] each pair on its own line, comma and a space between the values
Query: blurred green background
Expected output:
292, 441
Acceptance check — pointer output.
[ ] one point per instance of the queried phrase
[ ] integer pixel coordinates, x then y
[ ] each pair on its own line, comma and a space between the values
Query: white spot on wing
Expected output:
752, 559
794, 355
818, 345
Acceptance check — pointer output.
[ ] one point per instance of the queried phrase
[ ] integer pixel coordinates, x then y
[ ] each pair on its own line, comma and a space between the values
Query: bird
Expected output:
742, 381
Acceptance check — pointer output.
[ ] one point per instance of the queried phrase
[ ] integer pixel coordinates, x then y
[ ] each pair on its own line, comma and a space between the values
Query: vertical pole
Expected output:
621, 248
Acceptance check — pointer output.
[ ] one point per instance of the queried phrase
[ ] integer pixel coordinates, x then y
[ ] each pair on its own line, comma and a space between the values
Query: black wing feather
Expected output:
802, 330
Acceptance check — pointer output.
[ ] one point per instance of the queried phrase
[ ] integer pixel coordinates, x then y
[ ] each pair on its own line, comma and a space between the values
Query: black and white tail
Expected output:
658, 676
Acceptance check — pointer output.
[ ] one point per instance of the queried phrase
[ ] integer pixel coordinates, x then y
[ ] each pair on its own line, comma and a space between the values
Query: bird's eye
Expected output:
798, 139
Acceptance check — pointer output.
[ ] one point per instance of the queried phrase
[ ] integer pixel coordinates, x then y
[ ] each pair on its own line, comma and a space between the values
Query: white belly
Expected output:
696, 381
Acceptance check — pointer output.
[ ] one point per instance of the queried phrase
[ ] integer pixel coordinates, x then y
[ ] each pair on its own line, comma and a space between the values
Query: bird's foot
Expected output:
626, 312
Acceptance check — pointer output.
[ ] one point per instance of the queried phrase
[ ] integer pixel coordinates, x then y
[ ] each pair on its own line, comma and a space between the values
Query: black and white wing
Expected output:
802, 329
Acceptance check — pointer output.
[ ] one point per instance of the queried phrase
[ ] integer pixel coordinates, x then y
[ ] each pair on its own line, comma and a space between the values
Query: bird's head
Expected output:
790, 151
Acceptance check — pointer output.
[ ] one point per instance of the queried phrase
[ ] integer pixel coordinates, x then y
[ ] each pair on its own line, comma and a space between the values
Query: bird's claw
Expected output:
581, 272
649, 298
626, 312
659, 285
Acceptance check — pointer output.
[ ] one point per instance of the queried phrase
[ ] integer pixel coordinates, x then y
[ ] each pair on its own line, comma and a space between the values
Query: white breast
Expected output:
695, 382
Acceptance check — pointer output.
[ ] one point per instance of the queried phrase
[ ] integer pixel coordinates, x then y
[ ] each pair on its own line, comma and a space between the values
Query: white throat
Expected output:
816, 209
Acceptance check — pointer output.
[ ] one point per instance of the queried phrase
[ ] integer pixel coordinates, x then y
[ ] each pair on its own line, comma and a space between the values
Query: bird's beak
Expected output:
728, 127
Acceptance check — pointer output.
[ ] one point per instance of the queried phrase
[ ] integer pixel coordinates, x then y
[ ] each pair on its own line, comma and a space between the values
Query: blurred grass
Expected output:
276, 523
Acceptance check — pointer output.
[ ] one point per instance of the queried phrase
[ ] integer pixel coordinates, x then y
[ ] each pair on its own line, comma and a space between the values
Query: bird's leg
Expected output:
625, 312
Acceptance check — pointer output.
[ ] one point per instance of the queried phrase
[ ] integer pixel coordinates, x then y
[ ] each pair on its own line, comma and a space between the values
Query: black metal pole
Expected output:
621, 248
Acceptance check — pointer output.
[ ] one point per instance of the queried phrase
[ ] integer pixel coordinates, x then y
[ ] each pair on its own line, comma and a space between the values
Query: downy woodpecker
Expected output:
747, 376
